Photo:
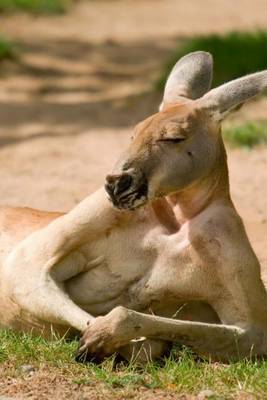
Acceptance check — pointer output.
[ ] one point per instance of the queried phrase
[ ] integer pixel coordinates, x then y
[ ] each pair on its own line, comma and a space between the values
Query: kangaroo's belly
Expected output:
143, 277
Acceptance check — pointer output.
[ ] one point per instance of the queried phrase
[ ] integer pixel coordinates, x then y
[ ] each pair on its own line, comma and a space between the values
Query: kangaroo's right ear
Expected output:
190, 78
226, 98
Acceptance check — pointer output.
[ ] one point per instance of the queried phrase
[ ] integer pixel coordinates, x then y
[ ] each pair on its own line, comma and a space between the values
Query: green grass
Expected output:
181, 373
235, 54
34, 6
7, 49
246, 135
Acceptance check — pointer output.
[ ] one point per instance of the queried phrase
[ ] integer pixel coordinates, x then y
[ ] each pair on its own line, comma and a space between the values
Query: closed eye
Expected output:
172, 140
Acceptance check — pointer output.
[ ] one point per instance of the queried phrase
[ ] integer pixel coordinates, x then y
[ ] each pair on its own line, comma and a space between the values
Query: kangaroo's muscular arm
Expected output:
218, 342
37, 292
90, 218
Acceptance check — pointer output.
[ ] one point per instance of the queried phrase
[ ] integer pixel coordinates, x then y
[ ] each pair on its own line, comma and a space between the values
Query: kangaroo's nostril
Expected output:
117, 184
112, 178
123, 183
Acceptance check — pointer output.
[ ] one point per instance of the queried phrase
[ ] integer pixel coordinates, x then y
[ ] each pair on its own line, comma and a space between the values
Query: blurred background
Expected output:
77, 75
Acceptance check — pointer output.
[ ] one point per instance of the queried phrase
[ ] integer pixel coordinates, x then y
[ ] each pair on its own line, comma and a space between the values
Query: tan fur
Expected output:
179, 268
20, 222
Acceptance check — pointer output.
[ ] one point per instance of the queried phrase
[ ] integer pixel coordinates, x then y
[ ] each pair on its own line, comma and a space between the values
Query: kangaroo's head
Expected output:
181, 144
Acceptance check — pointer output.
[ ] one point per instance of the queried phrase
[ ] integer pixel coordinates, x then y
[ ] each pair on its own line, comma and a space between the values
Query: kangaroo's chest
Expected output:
136, 267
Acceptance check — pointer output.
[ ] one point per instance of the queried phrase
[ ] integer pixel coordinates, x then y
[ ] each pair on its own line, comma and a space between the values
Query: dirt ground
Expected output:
46, 384
84, 79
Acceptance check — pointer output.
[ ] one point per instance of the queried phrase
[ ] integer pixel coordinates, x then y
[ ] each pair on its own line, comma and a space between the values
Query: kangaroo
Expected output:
156, 256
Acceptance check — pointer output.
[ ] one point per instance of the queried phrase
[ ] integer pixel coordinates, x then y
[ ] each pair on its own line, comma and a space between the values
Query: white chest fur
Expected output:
131, 271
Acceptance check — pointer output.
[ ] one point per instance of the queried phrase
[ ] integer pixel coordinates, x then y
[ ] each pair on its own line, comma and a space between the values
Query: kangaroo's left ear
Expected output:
190, 78
230, 96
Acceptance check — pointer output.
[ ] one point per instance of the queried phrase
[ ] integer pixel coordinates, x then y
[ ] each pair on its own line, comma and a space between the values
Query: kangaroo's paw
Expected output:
103, 336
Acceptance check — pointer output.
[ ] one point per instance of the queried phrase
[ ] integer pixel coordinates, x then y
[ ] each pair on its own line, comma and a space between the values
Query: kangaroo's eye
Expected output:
172, 139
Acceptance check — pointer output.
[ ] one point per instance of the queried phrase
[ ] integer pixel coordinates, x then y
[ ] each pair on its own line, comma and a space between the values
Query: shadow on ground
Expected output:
79, 85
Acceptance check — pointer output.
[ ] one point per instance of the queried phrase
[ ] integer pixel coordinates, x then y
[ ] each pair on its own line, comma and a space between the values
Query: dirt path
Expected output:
145, 20
84, 79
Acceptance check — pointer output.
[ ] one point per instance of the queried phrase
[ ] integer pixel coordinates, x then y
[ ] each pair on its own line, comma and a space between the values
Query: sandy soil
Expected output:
48, 383
84, 79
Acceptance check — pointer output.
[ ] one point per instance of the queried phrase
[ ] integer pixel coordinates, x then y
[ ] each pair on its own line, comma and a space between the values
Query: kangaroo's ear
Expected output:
228, 97
190, 77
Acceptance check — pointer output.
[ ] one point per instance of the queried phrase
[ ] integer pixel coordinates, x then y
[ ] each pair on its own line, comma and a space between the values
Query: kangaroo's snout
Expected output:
118, 184
127, 190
